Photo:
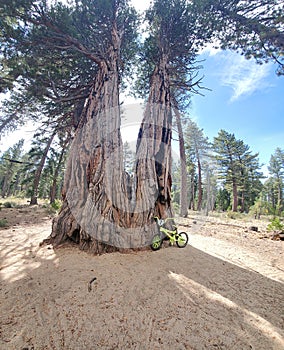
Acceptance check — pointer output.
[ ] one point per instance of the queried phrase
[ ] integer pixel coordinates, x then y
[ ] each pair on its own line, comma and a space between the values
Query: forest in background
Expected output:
212, 168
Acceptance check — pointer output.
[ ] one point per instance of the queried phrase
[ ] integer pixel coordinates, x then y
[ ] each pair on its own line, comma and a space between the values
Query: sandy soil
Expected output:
223, 291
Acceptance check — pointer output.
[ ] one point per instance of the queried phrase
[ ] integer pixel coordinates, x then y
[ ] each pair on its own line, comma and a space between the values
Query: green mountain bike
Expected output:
180, 238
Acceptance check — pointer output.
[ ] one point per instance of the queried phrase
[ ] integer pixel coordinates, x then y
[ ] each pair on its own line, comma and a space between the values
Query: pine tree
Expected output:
276, 169
222, 199
128, 158
10, 164
38, 156
237, 166
199, 146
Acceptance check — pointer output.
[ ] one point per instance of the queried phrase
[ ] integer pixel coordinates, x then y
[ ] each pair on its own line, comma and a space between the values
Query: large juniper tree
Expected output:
100, 36
167, 76
116, 212
103, 34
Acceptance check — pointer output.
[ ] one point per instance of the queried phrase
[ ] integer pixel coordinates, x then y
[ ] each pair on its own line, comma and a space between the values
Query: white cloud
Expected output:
211, 49
243, 76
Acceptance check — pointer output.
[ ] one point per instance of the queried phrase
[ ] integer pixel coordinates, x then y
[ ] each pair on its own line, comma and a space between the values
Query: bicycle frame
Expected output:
180, 238
169, 233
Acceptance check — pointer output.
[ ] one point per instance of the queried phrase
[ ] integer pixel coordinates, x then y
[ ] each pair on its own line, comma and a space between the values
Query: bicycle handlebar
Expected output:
162, 221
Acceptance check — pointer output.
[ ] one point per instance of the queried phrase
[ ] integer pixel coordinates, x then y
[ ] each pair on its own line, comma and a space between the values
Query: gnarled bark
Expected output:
154, 143
102, 210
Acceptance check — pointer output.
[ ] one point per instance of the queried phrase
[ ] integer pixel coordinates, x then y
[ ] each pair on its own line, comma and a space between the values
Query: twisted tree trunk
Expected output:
94, 173
102, 210
154, 146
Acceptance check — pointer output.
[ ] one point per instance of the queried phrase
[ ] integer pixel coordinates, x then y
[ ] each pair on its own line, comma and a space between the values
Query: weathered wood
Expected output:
102, 210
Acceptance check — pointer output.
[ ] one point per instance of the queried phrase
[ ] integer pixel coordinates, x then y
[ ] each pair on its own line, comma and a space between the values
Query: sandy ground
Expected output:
223, 291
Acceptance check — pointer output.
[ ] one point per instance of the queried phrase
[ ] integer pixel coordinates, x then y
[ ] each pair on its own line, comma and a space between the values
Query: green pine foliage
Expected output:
128, 158
275, 225
239, 170
252, 27
276, 184
10, 170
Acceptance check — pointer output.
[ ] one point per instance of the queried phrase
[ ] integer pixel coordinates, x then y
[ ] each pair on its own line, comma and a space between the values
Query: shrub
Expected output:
275, 225
9, 204
56, 205
176, 208
232, 215
3, 222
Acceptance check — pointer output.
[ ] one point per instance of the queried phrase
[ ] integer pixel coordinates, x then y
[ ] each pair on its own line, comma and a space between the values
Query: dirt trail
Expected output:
223, 291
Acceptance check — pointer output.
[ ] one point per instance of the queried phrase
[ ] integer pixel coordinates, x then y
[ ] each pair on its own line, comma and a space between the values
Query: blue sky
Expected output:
245, 99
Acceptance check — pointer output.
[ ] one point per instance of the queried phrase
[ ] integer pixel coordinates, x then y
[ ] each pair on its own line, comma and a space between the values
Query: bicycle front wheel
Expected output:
182, 239
156, 242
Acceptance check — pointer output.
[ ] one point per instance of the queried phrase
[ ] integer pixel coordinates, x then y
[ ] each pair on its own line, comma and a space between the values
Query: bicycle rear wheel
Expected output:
182, 239
156, 242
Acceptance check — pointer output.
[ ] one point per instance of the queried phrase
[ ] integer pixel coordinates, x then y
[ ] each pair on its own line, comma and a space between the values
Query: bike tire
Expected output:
182, 239
156, 242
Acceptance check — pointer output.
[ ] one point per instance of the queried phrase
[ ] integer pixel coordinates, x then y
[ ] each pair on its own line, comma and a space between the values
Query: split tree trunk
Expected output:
94, 172
102, 211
